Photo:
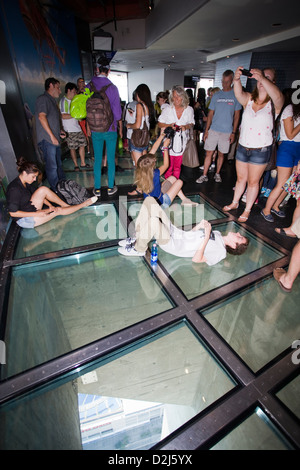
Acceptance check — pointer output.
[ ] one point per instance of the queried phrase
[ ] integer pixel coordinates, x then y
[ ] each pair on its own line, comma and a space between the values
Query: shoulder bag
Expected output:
190, 156
141, 137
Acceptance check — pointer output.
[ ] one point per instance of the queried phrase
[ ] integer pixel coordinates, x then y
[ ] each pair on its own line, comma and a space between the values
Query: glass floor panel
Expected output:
183, 216
131, 402
289, 395
88, 226
196, 279
59, 305
259, 323
255, 433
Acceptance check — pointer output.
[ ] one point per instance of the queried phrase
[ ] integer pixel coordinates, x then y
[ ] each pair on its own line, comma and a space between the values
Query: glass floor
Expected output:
105, 352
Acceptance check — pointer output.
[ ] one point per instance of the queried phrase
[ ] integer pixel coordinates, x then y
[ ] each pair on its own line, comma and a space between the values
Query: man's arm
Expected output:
236, 120
44, 122
199, 255
208, 123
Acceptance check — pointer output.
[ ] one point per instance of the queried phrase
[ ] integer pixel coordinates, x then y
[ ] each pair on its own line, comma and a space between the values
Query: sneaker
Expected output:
202, 179
97, 192
268, 217
129, 250
212, 166
127, 241
201, 167
244, 197
217, 178
112, 191
278, 213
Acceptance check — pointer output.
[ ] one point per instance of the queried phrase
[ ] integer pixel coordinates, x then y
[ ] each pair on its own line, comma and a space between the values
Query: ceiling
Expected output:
194, 34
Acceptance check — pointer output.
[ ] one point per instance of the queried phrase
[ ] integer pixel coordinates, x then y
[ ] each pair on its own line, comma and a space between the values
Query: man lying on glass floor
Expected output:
201, 243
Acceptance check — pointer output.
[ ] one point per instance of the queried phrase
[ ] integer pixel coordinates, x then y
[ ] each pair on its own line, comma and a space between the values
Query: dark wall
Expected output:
286, 64
13, 110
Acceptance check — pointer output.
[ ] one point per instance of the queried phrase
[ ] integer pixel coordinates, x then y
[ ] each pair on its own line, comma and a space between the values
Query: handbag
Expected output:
141, 137
292, 185
190, 156
276, 123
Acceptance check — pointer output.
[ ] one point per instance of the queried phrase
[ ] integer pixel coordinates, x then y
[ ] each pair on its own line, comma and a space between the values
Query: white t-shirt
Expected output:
130, 117
185, 244
69, 125
286, 113
256, 127
169, 116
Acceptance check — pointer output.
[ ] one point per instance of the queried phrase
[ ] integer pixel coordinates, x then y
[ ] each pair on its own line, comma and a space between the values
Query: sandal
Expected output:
281, 231
76, 168
135, 192
277, 273
85, 166
244, 218
230, 207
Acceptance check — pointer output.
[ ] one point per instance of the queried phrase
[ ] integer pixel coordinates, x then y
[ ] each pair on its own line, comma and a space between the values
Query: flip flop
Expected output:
76, 168
135, 192
277, 273
281, 231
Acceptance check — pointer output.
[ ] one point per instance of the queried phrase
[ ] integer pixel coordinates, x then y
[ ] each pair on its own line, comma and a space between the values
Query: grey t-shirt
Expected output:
224, 104
45, 103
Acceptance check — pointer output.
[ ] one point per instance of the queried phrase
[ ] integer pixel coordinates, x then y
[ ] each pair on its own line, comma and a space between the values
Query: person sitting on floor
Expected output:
147, 177
25, 202
201, 243
286, 278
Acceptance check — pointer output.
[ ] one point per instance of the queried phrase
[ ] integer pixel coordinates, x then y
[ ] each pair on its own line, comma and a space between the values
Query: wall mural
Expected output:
42, 38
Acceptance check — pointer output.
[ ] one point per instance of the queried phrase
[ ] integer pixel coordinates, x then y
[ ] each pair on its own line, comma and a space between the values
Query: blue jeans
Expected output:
110, 139
53, 165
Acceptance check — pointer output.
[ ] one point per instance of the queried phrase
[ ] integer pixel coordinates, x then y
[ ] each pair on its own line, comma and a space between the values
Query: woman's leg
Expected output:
169, 171
43, 193
255, 173
175, 190
283, 175
240, 185
177, 166
97, 139
63, 211
111, 143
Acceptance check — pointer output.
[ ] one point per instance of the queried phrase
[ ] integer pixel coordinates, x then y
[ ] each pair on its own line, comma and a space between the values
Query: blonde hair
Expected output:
144, 172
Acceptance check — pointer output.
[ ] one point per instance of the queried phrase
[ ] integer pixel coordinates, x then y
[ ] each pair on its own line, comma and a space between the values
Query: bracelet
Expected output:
165, 148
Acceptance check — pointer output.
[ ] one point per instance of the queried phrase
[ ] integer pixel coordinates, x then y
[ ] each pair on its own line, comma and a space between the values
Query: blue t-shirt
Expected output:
224, 104
156, 191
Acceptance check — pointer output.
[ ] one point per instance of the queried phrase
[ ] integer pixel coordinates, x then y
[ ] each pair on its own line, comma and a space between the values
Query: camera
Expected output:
246, 72
169, 132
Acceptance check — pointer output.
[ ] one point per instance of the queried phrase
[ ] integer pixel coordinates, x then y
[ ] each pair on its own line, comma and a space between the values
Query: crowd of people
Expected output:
228, 121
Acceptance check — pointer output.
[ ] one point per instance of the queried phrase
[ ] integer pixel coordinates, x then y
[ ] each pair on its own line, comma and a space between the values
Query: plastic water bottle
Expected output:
154, 253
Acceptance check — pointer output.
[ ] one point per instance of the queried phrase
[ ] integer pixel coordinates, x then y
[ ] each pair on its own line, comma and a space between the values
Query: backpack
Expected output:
72, 192
99, 114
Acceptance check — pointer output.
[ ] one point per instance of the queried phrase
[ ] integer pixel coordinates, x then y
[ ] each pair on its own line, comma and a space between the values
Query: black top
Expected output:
18, 196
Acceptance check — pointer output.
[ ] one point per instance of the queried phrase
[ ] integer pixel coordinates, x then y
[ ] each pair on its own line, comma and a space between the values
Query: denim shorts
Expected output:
137, 149
166, 200
259, 156
26, 222
288, 154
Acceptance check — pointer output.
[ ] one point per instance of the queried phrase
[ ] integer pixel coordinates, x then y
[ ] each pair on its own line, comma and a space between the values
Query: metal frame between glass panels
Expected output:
212, 424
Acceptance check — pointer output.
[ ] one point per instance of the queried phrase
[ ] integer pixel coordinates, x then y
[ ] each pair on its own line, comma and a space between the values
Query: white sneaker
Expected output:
127, 241
244, 197
201, 167
129, 250
217, 178
202, 179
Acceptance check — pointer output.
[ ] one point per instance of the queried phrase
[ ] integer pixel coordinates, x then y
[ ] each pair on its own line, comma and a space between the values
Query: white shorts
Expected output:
217, 139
